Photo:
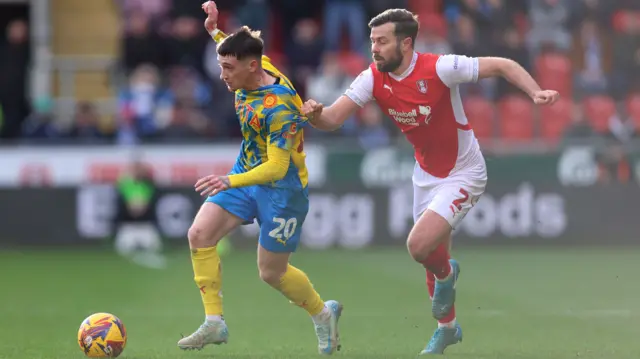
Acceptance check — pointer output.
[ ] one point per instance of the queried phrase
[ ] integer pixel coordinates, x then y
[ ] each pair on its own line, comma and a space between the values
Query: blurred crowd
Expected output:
589, 50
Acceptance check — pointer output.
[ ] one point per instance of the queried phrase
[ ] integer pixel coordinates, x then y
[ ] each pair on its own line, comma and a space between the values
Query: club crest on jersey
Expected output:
422, 86
270, 100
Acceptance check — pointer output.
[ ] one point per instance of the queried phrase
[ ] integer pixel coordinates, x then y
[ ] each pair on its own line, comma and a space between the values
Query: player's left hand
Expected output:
545, 97
212, 184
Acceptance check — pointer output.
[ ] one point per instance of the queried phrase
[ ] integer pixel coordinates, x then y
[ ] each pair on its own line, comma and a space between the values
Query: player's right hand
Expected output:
545, 97
312, 110
211, 9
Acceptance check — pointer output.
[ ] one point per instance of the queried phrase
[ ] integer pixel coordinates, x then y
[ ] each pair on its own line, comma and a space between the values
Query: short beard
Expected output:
391, 65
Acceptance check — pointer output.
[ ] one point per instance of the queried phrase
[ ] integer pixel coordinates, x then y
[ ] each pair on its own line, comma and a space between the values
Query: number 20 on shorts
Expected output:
285, 229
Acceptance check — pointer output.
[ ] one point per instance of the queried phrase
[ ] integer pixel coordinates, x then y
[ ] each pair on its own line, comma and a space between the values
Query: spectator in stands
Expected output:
289, 12
490, 17
187, 122
304, 53
549, 22
431, 38
156, 10
86, 124
40, 124
622, 127
372, 133
144, 106
141, 43
465, 39
512, 47
14, 62
339, 13
466, 43
329, 82
187, 43
591, 58
187, 85
374, 7
600, 11
255, 14
579, 129
192, 96
626, 57
629, 5
614, 165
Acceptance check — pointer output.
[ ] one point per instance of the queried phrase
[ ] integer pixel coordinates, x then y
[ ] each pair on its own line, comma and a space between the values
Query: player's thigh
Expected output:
448, 203
453, 200
281, 214
219, 215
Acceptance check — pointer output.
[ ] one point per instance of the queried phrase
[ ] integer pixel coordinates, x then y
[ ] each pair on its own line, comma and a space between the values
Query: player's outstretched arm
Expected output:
518, 76
332, 117
457, 69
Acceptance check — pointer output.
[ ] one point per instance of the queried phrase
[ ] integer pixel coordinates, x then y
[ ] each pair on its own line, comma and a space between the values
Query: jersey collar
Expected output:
409, 69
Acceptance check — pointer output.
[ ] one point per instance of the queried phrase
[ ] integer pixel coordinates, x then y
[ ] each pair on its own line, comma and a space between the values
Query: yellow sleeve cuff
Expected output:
218, 35
274, 169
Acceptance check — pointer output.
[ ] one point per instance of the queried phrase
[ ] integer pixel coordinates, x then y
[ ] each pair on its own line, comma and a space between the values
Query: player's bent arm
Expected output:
357, 95
218, 35
510, 71
274, 169
334, 116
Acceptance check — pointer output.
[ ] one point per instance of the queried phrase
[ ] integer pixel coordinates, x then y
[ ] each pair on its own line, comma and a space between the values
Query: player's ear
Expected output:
254, 65
407, 43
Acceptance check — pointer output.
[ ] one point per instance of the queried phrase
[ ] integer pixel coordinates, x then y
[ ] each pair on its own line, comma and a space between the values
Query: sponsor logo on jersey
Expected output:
411, 117
422, 86
406, 118
426, 112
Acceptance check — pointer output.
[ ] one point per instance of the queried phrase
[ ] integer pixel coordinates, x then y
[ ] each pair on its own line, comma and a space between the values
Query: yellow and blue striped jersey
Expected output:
271, 116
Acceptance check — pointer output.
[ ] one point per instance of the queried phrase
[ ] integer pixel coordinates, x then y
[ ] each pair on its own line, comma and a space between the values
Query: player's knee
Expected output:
271, 276
198, 238
418, 247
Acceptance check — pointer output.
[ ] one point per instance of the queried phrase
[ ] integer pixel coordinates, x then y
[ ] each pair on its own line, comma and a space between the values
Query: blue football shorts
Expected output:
280, 213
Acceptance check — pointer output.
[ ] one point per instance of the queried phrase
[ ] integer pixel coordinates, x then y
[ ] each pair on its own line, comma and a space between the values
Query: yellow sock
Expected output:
207, 272
296, 286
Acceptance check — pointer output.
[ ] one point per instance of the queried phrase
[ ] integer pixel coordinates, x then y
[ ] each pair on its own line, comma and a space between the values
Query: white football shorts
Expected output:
450, 197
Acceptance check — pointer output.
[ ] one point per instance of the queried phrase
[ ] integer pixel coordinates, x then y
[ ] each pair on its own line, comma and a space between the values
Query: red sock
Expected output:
450, 317
438, 261
431, 285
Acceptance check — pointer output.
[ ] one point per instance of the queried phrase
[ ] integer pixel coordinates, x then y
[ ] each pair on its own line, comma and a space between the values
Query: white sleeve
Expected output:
361, 89
457, 69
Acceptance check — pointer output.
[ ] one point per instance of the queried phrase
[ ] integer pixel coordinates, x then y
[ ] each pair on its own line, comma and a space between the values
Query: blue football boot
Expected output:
444, 295
442, 338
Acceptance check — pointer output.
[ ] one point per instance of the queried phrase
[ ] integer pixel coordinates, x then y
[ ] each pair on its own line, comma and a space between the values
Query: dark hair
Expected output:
242, 44
406, 23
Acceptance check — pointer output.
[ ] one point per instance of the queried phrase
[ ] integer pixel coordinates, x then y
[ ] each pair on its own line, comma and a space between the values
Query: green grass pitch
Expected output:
512, 304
